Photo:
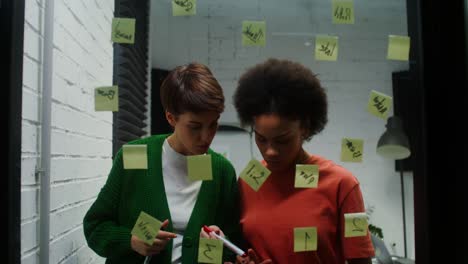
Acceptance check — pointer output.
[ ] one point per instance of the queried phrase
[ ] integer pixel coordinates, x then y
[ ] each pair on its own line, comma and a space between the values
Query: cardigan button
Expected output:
188, 242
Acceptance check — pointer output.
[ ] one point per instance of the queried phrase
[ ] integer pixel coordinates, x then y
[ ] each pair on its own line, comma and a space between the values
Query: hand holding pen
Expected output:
215, 232
250, 258
242, 257
213, 228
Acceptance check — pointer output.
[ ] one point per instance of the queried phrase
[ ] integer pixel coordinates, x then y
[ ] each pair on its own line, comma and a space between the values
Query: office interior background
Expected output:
59, 51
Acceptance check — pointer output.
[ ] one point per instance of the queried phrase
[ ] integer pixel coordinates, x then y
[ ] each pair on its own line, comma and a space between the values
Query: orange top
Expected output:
269, 216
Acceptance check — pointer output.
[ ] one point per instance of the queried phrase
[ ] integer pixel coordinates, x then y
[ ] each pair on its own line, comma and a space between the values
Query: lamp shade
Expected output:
394, 143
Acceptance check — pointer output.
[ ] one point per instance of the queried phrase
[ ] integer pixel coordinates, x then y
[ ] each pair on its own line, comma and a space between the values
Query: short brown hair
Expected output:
191, 88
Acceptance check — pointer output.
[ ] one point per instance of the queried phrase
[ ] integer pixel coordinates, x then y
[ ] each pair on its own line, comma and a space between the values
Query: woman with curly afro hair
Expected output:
286, 105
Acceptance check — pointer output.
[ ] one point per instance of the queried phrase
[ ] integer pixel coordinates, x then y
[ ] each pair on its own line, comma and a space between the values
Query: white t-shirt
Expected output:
181, 194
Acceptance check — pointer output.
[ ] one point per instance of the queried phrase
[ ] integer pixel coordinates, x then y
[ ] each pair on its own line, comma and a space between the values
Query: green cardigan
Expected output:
109, 221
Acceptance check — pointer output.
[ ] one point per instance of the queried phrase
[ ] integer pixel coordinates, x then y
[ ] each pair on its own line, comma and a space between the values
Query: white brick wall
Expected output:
213, 37
81, 139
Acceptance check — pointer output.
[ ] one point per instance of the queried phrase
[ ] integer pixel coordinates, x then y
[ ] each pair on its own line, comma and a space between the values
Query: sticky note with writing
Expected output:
255, 174
379, 104
355, 224
146, 228
135, 157
123, 30
106, 98
307, 176
199, 167
305, 239
210, 250
352, 149
326, 48
184, 7
343, 11
398, 47
253, 33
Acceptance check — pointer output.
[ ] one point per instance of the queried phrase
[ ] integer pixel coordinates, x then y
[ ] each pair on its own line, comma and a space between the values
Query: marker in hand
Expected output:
226, 242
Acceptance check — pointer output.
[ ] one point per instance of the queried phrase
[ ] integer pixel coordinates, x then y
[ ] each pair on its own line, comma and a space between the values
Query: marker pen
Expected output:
226, 242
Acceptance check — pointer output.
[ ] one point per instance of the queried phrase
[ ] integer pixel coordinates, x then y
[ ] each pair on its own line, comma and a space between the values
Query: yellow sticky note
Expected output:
210, 250
146, 228
135, 157
184, 7
355, 224
343, 11
326, 48
255, 174
379, 104
106, 98
352, 149
398, 47
305, 239
307, 176
253, 33
123, 30
199, 167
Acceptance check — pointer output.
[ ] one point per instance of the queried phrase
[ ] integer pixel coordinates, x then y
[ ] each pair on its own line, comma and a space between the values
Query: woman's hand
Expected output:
250, 258
159, 243
216, 229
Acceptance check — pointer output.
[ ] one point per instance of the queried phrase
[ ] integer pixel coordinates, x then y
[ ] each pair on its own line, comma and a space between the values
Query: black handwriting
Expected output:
144, 229
352, 148
379, 104
208, 250
343, 13
356, 225
307, 176
110, 94
257, 176
253, 36
327, 50
184, 3
120, 34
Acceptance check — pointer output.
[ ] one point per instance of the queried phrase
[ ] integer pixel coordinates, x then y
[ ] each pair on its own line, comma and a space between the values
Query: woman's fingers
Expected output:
164, 223
165, 235
217, 230
159, 243
252, 255
158, 246
213, 228
254, 259
242, 260
204, 234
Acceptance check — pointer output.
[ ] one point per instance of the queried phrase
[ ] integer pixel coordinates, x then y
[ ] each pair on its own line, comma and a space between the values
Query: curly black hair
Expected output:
282, 87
